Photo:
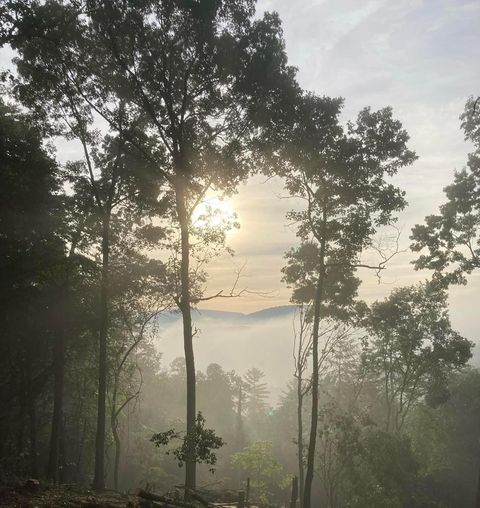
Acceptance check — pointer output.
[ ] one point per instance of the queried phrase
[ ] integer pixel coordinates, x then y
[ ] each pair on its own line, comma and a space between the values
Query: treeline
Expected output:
165, 103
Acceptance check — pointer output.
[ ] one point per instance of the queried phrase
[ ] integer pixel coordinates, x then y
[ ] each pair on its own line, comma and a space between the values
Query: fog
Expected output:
236, 341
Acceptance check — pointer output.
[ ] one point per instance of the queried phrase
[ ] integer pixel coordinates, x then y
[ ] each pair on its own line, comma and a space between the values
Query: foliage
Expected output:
386, 477
445, 442
451, 240
360, 464
341, 175
338, 449
199, 445
266, 473
31, 272
413, 348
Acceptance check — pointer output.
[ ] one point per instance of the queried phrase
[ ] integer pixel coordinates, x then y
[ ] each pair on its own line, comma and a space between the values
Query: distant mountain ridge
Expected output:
169, 317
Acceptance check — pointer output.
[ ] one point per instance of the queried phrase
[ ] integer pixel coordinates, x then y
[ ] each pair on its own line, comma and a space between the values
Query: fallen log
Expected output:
168, 501
160, 501
199, 498
144, 503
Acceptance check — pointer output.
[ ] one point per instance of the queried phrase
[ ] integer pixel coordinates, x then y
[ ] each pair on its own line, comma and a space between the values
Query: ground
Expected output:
31, 493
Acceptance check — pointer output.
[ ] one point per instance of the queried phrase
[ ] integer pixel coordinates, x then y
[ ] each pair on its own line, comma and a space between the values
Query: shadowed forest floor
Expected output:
33, 494
24, 495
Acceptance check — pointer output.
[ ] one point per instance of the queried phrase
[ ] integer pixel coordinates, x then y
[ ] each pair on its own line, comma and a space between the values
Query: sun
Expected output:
214, 212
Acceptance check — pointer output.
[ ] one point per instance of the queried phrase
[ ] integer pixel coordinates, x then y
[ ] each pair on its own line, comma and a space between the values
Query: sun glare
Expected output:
214, 212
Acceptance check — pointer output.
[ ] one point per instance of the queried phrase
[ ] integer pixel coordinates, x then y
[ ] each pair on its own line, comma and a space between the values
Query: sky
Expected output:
420, 57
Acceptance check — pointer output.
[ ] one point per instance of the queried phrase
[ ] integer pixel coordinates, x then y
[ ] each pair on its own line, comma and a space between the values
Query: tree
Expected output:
341, 174
386, 477
362, 465
239, 399
203, 442
75, 232
195, 79
445, 441
137, 300
336, 339
45, 282
256, 393
215, 399
451, 239
413, 349
266, 473
302, 349
103, 180
33, 256
339, 450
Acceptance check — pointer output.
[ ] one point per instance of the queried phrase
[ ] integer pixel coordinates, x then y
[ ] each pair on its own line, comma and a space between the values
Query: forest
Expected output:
168, 103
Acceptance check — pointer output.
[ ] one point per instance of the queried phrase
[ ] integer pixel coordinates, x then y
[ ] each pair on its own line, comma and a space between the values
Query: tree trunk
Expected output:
239, 424
32, 419
114, 427
99, 478
80, 429
81, 445
301, 471
59, 374
477, 503
294, 496
185, 308
116, 464
21, 414
239, 438
58, 389
315, 380
62, 454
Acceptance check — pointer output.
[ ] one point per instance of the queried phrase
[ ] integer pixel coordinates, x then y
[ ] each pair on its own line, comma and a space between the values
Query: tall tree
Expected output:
302, 349
200, 76
239, 399
102, 180
341, 174
256, 393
